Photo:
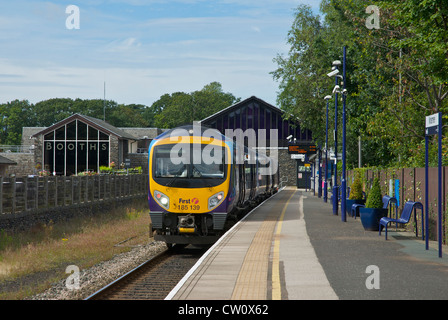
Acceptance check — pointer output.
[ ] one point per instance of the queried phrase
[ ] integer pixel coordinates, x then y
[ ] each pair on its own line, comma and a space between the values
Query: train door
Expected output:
303, 175
242, 183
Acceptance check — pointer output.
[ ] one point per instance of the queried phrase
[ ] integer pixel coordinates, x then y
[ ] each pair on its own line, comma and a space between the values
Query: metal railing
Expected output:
16, 149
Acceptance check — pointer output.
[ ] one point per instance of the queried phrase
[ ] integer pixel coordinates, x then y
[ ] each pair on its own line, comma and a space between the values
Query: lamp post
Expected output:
336, 90
326, 154
334, 73
319, 168
343, 180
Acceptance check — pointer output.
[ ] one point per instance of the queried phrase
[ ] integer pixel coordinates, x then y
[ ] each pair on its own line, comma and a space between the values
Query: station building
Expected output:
81, 143
255, 113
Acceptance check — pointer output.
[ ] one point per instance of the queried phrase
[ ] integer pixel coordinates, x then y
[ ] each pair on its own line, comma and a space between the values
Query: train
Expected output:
201, 182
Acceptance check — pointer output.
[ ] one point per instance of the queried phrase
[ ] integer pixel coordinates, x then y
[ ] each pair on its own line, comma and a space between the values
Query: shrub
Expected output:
356, 190
105, 169
375, 199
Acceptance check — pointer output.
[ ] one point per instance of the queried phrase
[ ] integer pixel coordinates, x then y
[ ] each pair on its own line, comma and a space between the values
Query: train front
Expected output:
189, 188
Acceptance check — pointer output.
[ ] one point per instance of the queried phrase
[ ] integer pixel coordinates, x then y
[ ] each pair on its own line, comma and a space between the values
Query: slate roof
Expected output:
241, 103
94, 122
4, 160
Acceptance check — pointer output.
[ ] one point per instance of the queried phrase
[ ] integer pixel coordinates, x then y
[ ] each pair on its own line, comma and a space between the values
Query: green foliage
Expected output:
13, 116
396, 75
375, 198
105, 169
183, 108
356, 189
112, 170
5, 240
167, 112
128, 116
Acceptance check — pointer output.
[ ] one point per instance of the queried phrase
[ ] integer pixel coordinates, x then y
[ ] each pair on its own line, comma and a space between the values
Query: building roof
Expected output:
239, 104
94, 122
255, 113
4, 160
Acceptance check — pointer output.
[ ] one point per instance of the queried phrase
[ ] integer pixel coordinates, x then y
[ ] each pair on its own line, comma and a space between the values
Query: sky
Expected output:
139, 50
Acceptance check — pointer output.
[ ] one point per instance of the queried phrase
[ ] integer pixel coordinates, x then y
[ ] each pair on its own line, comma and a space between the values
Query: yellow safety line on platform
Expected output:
276, 286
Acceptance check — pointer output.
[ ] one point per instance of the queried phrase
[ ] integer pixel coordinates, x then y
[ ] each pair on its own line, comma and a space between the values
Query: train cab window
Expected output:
164, 166
207, 170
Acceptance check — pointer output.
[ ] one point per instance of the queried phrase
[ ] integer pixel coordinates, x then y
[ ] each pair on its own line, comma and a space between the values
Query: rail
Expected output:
21, 194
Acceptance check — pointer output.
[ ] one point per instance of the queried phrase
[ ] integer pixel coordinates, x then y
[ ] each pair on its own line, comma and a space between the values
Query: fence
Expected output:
16, 149
408, 184
34, 193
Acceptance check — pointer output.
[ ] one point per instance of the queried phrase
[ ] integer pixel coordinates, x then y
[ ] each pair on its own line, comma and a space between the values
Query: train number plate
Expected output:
191, 207
190, 204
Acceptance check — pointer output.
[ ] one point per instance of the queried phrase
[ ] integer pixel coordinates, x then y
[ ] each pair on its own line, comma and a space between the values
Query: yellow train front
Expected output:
195, 186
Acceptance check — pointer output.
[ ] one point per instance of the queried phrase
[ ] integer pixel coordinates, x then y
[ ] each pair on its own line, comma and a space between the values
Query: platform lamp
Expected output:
326, 153
343, 180
335, 73
336, 90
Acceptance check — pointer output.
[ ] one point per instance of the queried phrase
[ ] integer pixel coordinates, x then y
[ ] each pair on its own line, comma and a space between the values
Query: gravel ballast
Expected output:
103, 273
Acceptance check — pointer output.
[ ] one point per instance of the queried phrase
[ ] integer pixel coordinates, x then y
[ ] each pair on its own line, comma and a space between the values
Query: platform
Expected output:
292, 247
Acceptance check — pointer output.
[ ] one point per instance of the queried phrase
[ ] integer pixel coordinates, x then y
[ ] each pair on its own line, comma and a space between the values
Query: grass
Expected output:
30, 261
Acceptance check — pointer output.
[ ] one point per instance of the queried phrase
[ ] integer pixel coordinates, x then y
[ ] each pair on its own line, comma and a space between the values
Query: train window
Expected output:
211, 164
164, 166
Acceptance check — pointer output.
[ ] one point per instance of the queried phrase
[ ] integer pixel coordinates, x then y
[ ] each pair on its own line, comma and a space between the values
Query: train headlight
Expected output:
162, 199
215, 199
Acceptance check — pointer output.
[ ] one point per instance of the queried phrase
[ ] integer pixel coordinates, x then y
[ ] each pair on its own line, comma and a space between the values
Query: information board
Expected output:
302, 149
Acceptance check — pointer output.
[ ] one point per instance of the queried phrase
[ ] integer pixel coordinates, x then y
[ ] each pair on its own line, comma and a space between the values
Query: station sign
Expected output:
432, 124
302, 149
298, 157
332, 156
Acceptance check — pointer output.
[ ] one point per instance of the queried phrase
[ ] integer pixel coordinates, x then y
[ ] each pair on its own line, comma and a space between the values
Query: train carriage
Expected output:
201, 181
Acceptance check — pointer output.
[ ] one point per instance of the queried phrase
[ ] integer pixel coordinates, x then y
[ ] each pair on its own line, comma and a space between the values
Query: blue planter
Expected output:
370, 218
350, 202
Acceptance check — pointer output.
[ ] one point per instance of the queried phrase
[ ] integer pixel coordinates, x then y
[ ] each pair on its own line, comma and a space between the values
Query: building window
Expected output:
75, 147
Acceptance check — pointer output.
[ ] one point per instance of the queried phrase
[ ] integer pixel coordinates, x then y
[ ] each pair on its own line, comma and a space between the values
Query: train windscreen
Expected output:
189, 165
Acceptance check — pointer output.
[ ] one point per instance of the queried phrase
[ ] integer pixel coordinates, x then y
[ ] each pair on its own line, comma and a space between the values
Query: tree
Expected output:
182, 108
14, 115
127, 116
316, 42
149, 114
210, 100
51, 111
396, 74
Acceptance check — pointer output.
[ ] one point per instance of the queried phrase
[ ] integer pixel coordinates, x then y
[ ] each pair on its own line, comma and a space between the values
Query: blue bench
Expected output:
387, 200
355, 209
409, 207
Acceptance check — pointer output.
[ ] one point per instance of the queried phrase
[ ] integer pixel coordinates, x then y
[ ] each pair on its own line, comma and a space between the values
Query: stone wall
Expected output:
287, 167
139, 160
25, 164
114, 151
38, 151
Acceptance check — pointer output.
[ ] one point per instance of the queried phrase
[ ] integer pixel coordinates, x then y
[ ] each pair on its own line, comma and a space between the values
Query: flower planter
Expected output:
350, 202
370, 218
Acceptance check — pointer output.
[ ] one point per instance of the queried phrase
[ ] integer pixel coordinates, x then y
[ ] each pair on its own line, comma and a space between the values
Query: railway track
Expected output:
154, 279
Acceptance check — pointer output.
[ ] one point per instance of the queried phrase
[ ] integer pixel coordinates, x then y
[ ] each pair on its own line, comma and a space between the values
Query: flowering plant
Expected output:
44, 173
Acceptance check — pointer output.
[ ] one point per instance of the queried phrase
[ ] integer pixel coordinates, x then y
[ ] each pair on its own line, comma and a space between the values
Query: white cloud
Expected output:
141, 58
